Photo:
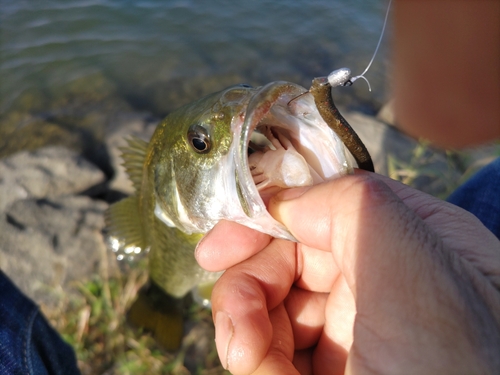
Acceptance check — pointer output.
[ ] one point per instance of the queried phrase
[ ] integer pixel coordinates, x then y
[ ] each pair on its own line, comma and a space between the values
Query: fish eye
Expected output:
199, 139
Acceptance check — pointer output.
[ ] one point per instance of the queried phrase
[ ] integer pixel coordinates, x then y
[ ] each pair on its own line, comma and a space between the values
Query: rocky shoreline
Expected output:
52, 202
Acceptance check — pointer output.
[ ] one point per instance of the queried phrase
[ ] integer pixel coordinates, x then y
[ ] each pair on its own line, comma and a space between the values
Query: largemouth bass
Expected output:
221, 157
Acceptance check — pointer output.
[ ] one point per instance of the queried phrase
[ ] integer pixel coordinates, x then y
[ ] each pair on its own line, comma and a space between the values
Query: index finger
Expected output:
227, 244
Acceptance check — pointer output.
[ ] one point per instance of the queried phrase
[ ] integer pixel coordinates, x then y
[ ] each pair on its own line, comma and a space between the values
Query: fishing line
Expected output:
321, 90
342, 76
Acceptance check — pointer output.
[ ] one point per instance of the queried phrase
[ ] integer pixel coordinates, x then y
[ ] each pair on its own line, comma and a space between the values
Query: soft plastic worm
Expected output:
321, 90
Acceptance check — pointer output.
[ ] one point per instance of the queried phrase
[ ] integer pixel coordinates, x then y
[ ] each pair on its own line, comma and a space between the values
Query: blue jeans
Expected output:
28, 345
480, 195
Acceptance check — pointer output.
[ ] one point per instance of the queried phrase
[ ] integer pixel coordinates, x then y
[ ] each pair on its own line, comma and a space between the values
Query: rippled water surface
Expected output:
156, 54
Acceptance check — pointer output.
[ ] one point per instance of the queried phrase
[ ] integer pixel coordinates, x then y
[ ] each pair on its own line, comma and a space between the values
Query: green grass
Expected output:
93, 322
422, 164
439, 172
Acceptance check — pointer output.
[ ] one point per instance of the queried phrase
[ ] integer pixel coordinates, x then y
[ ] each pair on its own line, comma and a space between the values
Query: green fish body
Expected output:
221, 157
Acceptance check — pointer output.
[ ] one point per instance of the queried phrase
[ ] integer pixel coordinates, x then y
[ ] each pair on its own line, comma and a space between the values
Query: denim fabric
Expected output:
480, 195
28, 344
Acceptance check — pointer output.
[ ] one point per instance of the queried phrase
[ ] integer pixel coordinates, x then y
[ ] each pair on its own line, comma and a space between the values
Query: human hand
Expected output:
384, 279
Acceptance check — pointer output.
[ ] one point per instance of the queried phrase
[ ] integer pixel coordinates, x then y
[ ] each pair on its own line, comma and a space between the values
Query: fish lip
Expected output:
259, 105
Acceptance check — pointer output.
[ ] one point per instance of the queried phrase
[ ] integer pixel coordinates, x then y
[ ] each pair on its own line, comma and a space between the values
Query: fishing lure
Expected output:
321, 89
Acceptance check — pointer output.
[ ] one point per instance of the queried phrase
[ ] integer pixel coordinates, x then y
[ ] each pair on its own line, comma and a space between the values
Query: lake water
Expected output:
158, 54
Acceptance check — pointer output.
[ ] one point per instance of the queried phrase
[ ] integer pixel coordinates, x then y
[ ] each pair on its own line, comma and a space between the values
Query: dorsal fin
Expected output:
133, 159
124, 229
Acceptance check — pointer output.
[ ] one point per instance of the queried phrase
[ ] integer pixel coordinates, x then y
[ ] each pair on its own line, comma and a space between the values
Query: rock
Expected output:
47, 172
387, 146
141, 125
46, 244
386, 113
50, 237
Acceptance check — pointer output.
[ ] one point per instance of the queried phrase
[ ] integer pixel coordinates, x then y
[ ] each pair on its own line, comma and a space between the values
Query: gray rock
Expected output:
386, 113
47, 244
47, 172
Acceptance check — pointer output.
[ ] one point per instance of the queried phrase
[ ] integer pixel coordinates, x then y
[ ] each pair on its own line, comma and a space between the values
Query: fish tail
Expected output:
157, 312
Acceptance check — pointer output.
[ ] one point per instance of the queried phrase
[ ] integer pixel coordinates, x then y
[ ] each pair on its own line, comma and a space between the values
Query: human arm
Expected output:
447, 70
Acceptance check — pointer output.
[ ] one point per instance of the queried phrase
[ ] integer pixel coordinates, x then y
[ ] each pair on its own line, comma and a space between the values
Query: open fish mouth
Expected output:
283, 142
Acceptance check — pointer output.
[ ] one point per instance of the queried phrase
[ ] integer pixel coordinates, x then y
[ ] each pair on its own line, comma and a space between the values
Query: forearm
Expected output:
447, 70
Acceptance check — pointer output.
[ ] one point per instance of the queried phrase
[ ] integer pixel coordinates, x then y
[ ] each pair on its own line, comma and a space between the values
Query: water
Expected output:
156, 55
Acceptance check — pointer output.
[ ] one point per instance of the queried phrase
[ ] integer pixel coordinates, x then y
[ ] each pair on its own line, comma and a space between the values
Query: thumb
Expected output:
347, 216
403, 279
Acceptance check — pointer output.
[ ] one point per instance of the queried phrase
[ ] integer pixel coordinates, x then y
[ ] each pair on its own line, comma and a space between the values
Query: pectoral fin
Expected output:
124, 227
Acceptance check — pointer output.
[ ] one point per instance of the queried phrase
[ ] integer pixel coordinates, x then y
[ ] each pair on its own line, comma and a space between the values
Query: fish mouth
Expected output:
283, 143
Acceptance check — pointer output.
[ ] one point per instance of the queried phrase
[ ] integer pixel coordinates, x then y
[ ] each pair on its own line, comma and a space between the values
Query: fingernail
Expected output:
196, 249
223, 334
289, 194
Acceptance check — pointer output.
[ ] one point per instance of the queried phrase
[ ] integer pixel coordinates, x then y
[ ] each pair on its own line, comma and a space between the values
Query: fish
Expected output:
221, 157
